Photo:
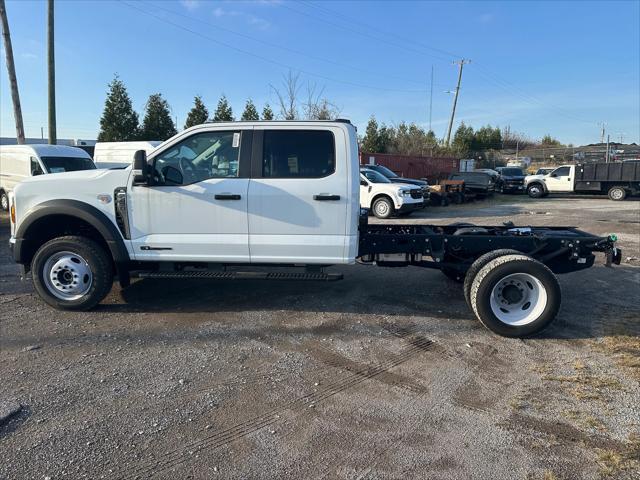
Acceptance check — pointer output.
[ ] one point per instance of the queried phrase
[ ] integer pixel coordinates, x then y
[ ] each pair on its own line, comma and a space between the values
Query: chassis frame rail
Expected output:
455, 247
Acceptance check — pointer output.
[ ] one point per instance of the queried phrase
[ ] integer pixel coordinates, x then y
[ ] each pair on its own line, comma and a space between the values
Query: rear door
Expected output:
197, 208
298, 195
560, 180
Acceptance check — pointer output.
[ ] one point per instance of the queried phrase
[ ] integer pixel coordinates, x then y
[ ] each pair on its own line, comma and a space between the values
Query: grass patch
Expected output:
611, 462
549, 475
625, 350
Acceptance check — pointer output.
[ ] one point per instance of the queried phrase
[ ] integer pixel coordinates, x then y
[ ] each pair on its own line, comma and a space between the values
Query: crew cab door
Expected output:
560, 180
299, 196
196, 207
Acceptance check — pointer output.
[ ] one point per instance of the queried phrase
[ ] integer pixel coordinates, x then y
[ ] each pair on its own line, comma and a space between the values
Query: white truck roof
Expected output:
42, 150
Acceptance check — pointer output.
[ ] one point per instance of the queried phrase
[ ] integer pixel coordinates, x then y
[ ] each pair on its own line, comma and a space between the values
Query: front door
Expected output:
196, 208
298, 196
560, 180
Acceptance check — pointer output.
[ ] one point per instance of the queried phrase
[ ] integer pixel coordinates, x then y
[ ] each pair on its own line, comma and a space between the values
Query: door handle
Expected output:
227, 196
325, 197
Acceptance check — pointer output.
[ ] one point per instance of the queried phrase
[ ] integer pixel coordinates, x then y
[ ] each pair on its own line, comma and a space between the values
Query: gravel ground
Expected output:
385, 374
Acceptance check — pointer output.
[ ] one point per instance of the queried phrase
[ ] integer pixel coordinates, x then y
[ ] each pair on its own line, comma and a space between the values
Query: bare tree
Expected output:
11, 68
288, 96
317, 107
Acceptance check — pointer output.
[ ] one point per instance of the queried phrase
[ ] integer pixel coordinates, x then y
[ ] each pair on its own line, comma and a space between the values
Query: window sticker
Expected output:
57, 170
236, 140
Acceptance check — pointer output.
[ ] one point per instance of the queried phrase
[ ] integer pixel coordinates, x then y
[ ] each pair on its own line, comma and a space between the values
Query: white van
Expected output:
18, 162
120, 154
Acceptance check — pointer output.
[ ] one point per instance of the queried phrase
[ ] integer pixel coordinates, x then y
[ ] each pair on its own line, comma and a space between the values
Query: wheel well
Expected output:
53, 226
380, 195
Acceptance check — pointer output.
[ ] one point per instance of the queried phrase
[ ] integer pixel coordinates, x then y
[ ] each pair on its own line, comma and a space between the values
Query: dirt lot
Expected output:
383, 375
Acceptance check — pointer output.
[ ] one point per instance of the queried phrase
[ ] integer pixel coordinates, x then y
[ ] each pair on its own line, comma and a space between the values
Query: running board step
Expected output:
305, 276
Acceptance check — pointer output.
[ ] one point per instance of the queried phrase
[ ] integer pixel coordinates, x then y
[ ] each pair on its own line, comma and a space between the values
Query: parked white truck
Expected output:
615, 179
259, 195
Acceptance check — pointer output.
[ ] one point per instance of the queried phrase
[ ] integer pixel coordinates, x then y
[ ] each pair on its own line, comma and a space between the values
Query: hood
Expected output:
411, 181
529, 178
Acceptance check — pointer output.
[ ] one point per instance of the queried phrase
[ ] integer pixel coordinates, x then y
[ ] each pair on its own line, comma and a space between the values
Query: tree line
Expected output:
120, 122
411, 139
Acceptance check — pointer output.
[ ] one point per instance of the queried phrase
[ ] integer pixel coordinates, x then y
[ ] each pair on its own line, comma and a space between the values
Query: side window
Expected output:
562, 171
298, 154
36, 169
198, 158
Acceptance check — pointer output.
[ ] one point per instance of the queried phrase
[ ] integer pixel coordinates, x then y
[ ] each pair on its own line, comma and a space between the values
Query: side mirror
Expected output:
140, 167
554, 175
363, 183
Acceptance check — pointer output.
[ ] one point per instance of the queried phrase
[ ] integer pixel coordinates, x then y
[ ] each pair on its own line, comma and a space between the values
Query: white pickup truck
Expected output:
615, 179
259, 195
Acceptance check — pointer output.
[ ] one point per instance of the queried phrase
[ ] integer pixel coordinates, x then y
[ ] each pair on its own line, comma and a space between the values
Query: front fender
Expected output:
72, 208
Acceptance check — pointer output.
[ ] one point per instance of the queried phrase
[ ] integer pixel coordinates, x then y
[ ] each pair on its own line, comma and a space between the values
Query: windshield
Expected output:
385, 171
375, 177
67, 164
512, 172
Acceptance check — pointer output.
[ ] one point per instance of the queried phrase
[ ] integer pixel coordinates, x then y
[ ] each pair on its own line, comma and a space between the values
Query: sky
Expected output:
559, 68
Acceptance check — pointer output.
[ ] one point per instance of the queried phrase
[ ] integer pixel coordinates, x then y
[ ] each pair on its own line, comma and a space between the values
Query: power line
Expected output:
281, 47
265, 59
503, 84
364, 34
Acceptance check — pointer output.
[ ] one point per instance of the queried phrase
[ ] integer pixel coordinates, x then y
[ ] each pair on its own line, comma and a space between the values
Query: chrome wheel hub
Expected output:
67, 275
518, 299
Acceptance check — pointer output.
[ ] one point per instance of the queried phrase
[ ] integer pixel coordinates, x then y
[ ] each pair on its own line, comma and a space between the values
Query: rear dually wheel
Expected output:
515, 296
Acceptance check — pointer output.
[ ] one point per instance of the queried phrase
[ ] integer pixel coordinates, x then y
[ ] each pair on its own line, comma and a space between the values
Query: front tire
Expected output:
72, 273
4, 201
515, 296
382, 207
535, 191
617, 193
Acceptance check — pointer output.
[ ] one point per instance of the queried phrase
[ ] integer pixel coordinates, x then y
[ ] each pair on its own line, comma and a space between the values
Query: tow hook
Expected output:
614, 255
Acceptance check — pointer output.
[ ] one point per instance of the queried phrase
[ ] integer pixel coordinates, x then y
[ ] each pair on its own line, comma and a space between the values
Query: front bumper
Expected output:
410, 207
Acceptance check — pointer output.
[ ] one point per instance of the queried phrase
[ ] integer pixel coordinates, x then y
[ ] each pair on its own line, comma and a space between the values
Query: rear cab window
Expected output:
298, 154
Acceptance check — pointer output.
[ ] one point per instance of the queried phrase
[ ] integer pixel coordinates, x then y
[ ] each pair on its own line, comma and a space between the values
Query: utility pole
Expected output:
602, 132
460, 63
11, 70
431, 100
606, 157
51, 64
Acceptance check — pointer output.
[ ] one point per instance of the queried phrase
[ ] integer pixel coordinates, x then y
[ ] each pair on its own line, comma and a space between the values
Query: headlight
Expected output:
402, 192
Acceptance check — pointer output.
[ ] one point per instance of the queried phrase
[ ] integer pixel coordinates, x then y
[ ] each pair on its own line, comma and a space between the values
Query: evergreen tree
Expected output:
371, 139
463, 140
250, 112
157, 123
223, 111
119, 122
198, 114
267, 113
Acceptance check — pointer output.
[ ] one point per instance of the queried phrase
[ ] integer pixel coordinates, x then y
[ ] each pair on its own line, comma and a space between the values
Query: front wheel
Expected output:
515, 296
535, 190
617, 193
72, 273
4, 201
382, 208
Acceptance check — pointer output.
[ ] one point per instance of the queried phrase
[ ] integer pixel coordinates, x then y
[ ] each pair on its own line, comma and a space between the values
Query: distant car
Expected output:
120, 154
544, 171
488, 171
480, 183
19, 162
511, 180
384, 198
395, 178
